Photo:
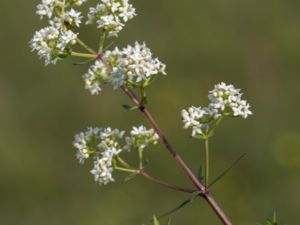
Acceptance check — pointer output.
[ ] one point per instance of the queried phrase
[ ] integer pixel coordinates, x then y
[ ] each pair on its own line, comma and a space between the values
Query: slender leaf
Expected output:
274, 218
184, 203
83, 62
227, 170
155, 221
170, 220
129, 108
200, 173
130, 177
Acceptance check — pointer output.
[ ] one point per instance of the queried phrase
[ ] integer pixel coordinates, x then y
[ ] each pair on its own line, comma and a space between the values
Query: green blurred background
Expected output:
254, 44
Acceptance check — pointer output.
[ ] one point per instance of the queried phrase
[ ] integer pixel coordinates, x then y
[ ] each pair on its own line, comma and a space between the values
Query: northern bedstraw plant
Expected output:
131, 69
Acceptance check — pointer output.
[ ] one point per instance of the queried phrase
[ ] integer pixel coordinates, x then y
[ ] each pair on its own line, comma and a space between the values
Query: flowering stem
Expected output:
63, 6
102, 40
216, 124
163, 184
84, 55
123, 163
206, 162
141, 157
149, 177
126, 170
206, 194
85, 46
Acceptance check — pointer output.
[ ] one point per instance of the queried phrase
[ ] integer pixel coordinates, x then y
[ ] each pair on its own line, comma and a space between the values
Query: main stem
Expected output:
205, 192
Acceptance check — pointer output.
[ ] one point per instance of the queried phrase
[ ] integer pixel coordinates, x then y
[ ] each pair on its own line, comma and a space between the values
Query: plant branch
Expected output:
84, 55
163, 184
141, 171
85, 46
206, 194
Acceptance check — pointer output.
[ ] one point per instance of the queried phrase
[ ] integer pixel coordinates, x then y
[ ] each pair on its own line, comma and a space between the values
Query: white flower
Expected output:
117, 78
102, 170
127, 12
51, 43
118, 67
110, 140
46, 8
78, 2
66, 38
94, 77
86, 143
111, 15
103, 145
72, 18
139, 64
225, 100
140, 138
228, 99
97, 141
199, 119
44, 42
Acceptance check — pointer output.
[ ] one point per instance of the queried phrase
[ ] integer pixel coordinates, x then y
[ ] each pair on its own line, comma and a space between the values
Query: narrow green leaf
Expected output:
170, 220
109, 45
130, 177
129, 108
200, 173
274, 218
184, 203
227, 170
155, 221
82, 63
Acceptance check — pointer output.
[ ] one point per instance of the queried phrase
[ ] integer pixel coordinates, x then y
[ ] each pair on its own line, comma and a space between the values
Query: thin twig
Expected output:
164, 184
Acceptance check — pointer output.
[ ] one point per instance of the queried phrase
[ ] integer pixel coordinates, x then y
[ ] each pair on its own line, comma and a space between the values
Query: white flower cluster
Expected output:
140, 138
54, 8
95, 75
102, 145
71, 18
110, 15
225, 100
199, 119
96, 140
139, 64
54, 42
131, 65
103, 169
86, 143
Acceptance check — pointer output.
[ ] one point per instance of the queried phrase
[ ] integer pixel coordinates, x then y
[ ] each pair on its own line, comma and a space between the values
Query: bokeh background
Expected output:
254, 44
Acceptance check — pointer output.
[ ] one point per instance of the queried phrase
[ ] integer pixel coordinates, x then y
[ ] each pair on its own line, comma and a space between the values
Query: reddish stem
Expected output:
205, 193
164, 184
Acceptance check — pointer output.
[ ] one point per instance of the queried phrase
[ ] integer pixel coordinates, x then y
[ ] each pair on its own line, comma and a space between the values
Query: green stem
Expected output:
123, 163
143, 96
63, 6
101, 43
85, 46
206, 163
125, 170
217, 123
83, 55
141, 157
